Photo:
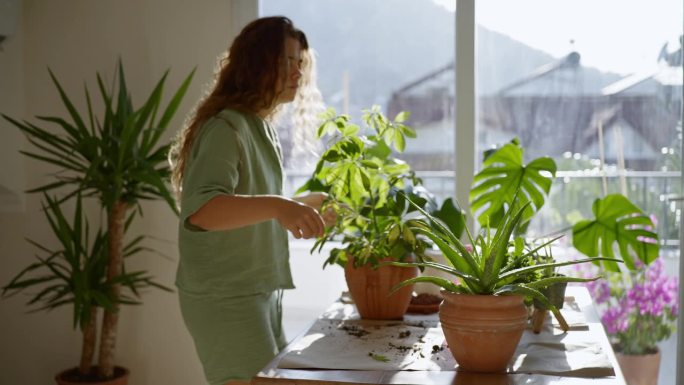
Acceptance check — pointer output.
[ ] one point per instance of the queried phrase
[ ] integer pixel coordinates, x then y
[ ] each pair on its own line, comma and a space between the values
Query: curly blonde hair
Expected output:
246, 80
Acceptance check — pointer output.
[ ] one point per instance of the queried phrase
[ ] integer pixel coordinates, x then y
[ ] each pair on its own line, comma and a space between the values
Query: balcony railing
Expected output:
572, 195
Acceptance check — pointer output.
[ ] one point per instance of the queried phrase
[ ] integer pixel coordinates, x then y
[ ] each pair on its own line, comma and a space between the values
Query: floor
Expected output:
317, 288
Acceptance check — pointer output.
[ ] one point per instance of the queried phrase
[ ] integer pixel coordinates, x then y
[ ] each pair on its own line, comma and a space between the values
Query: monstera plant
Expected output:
503, 176
616, 218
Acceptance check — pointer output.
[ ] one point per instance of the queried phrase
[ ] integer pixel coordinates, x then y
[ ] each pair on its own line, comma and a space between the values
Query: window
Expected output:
397, 54
595, 85
581, 84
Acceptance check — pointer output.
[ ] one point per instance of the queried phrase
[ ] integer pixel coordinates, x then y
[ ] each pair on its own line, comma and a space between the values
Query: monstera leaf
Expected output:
503, 176
617, 220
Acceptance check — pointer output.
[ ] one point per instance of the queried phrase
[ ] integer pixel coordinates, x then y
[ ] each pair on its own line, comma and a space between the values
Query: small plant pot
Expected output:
482, 331
72, 377
639, 369
370, 289
555, 293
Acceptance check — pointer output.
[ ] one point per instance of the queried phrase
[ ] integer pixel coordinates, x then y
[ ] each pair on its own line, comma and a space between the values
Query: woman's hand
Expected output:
315, 200
302, 220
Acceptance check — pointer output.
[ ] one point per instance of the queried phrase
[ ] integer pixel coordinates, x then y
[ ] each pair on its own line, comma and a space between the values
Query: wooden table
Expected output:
271, 374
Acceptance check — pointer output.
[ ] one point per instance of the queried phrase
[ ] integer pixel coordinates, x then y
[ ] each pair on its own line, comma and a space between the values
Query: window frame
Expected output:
465, 144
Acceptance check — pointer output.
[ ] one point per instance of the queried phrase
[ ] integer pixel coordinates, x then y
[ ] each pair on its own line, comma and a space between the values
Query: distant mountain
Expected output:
386, 44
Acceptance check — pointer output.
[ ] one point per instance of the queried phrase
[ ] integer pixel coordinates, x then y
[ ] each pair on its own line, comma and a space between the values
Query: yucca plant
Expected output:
116, 158
74, 274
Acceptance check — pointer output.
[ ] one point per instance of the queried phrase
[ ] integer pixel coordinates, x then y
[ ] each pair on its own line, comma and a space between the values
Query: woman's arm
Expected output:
228, 212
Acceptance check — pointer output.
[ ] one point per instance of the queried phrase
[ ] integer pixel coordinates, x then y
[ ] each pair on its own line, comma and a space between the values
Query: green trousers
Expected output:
235, 337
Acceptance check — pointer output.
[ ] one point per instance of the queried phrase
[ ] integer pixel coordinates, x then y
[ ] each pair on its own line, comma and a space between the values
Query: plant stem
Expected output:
374, 217
110, 320
88, 349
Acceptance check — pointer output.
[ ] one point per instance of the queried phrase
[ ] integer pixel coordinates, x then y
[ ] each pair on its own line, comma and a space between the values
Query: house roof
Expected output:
556, 108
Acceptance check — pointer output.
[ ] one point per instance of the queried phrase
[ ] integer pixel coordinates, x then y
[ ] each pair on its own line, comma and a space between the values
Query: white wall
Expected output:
76, 38
11, 103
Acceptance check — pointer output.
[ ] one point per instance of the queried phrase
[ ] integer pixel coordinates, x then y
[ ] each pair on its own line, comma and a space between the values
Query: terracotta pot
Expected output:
472, 378
482, 331
641, 369
71, 377
370, 288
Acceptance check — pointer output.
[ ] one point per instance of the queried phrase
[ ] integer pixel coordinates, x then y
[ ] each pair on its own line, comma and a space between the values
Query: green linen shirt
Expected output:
233, 153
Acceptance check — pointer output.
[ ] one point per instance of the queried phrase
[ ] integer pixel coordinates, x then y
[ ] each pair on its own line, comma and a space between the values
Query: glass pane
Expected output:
397, 54
597, 86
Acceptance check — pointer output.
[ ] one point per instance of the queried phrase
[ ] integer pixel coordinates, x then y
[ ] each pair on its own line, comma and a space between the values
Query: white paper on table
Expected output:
575, 353
329, 345
572, 314
366, 345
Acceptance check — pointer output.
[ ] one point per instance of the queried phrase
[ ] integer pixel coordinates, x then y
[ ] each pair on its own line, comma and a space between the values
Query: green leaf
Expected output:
617, 220
175, 101
350, 129
402, 117
399, 141
380, 150
439, 281
453, 217
407, 131
495, 258
380, 357
503, 176
329, 114
452, 248
67, 103
327, 128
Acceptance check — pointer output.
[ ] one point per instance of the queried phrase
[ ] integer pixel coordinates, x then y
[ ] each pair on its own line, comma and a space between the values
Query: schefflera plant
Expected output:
369, 189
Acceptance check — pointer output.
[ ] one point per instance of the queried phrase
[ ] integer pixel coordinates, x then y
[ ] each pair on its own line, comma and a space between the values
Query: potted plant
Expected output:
504, 175
555, 292
638, 309
616, 218
483, 316
499, 265
116, 158
369, 190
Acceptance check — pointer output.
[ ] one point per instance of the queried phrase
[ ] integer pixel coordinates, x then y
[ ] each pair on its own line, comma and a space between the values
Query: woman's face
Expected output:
290, 72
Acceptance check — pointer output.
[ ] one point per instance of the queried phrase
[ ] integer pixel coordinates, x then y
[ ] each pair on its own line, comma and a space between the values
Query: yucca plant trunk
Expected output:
88, 349
110, 320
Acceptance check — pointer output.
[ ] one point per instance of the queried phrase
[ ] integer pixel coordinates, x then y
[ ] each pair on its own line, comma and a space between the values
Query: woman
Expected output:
227, 171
